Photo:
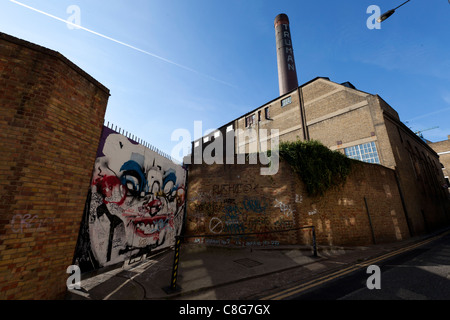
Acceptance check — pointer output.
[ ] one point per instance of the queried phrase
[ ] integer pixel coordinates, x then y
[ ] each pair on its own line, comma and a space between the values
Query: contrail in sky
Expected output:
430, 113
122, 43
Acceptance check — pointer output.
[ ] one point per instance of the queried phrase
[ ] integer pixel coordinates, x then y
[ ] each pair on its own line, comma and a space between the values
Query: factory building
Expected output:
359, 124
443, 150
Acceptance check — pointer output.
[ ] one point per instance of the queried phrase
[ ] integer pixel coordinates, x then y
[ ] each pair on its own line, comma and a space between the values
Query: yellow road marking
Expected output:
310, 284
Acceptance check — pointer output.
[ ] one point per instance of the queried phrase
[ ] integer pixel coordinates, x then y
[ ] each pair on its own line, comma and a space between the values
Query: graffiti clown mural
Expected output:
135, 203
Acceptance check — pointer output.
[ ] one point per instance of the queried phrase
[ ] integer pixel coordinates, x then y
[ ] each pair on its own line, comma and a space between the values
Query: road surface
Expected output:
418, 272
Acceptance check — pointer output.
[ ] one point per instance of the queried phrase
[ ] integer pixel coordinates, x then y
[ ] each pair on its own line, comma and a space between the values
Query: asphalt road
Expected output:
420, 273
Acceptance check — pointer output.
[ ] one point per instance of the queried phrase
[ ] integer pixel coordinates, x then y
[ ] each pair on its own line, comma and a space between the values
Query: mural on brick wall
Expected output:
238, 208
224, 201
135, 203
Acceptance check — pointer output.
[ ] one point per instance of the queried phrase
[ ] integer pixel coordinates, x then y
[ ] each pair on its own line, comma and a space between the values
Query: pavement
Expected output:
208, 272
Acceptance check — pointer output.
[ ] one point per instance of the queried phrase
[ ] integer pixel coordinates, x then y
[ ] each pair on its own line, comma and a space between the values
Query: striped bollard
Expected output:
173, 282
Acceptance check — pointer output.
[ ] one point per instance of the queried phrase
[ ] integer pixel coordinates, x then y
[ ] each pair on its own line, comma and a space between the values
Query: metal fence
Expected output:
140, 141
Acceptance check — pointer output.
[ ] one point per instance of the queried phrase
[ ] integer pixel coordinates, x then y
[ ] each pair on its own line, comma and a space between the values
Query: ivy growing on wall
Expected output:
317, 166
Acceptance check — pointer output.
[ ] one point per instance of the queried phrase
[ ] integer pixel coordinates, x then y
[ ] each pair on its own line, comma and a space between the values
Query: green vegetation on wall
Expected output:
317, 166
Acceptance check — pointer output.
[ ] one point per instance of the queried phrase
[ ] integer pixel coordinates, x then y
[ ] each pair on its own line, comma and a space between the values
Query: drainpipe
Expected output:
370, 221
303, 114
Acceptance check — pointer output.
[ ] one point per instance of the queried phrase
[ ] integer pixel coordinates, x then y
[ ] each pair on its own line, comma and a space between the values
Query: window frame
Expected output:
365, 152
249, 123
267, 113
286, 101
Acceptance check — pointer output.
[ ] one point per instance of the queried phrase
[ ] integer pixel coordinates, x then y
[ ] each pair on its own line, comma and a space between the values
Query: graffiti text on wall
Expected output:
22, 223
228, 209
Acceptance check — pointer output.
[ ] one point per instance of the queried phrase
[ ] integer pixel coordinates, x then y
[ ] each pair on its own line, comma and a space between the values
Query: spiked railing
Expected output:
140, 141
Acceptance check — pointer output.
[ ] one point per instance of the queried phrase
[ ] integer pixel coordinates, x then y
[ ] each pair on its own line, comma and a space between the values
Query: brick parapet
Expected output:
51, 119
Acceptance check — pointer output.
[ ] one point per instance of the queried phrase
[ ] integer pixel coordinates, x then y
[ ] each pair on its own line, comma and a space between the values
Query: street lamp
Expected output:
389, 13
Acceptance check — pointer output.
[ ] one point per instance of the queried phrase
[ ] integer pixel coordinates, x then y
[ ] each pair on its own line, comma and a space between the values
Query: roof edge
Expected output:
55, 54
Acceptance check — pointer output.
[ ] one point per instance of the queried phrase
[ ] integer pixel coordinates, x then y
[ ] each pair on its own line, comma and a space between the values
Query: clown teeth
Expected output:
148, 227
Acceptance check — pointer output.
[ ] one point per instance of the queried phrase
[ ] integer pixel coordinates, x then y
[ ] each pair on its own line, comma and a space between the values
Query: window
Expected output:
366, 152
286, 101
259, 115
250, 120
266, 113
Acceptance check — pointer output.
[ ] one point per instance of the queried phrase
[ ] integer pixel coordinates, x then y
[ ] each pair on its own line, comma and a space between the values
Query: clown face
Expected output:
140, 188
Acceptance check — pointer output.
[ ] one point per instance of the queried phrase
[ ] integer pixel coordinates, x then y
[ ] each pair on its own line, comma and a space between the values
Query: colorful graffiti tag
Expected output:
135, 203
240, 209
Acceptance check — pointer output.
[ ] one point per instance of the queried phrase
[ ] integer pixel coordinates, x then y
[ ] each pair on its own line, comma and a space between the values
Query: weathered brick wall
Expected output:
421, 181
342, 216
51, 117
443, 148
237, 199
225, 199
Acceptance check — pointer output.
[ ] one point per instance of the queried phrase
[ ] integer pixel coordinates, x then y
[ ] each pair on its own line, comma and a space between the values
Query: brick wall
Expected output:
237, 199
421, 180
51, 117
443, 148
368, 202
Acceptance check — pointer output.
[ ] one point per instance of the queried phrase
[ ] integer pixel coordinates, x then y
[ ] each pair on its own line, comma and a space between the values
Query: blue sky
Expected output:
169, 63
